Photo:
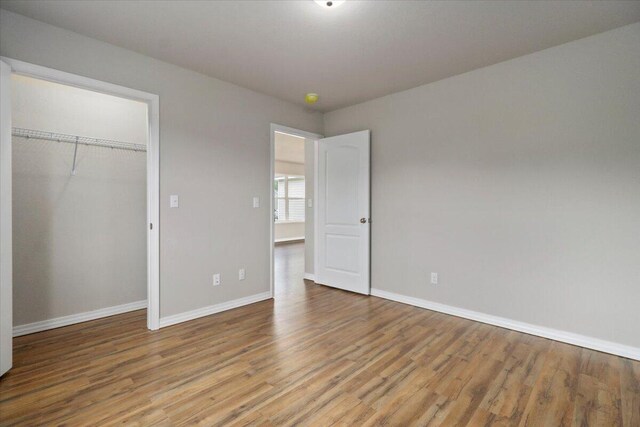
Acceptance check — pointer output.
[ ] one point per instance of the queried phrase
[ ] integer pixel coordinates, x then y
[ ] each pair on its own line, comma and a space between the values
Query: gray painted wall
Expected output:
212, 133
519, 184
79, 242
288, 168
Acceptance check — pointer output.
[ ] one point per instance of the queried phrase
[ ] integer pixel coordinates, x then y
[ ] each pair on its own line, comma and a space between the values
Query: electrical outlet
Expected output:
216, 279
241, 274
434, 278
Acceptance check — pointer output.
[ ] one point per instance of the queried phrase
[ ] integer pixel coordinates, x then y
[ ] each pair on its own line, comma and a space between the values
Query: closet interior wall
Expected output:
79, 239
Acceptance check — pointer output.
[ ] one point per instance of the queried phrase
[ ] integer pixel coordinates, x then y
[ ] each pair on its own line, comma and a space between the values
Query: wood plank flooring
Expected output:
316, 357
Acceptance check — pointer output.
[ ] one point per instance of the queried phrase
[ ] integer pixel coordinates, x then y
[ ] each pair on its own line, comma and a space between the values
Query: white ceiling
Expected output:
358, 51
288, 148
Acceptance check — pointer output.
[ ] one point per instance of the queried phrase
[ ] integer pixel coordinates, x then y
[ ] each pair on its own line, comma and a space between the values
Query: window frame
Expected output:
285, 178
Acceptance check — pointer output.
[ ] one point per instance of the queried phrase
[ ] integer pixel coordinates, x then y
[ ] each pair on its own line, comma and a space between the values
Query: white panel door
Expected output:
6, 259
342, 212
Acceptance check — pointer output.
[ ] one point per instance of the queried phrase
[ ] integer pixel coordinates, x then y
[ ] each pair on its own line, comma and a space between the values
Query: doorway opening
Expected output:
291, 183
83, 178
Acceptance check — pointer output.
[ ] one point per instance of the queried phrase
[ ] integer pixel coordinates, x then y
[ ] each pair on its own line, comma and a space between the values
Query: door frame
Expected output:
153, 163
272, 175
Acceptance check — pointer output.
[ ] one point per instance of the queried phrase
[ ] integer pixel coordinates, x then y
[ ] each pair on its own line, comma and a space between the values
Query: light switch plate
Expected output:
174, 201
241, 274
256, 202
216, 279
309, 203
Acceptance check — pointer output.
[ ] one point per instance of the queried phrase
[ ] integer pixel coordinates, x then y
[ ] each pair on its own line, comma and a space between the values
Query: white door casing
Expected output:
342, 248
6, 259
153, 162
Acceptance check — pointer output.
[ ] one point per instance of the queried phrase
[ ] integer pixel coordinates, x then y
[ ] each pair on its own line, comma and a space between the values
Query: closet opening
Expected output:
80, 204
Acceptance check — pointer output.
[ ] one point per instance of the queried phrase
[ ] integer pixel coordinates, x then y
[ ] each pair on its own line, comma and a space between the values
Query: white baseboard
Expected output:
541, 331
212, 309
309, 276
72, 319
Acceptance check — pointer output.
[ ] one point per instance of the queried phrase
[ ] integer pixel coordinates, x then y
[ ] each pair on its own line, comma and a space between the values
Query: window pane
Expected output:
296, 209
296, 187
280, 187
280, 212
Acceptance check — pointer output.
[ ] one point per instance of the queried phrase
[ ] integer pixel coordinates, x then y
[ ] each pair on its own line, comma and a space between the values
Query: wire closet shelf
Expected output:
77, 139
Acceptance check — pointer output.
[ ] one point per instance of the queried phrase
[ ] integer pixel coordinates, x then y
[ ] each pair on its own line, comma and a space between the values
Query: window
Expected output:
289, 199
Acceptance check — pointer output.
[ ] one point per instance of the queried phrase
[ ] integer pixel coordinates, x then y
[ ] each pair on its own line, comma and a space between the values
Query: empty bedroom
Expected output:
319, 213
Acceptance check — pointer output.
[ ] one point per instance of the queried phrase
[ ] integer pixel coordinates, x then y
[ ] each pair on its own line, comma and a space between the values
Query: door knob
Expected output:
363, 220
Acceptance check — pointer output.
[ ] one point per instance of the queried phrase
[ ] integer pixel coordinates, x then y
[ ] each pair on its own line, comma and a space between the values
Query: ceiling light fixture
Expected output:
329, 4
311, 98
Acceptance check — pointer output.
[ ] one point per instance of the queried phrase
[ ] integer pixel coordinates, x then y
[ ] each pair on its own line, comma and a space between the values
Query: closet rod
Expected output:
76, 139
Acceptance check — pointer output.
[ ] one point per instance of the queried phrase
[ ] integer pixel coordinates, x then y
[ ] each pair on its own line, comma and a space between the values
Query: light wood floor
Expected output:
316, 356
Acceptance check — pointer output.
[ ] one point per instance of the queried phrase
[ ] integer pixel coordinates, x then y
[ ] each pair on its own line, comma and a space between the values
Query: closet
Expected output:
79, 204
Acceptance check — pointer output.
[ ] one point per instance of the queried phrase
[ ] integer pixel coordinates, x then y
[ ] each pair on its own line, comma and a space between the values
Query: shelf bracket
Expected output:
75, 154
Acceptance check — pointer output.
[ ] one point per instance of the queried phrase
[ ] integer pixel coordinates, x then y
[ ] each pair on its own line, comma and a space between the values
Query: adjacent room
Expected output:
312, 212
289, 212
